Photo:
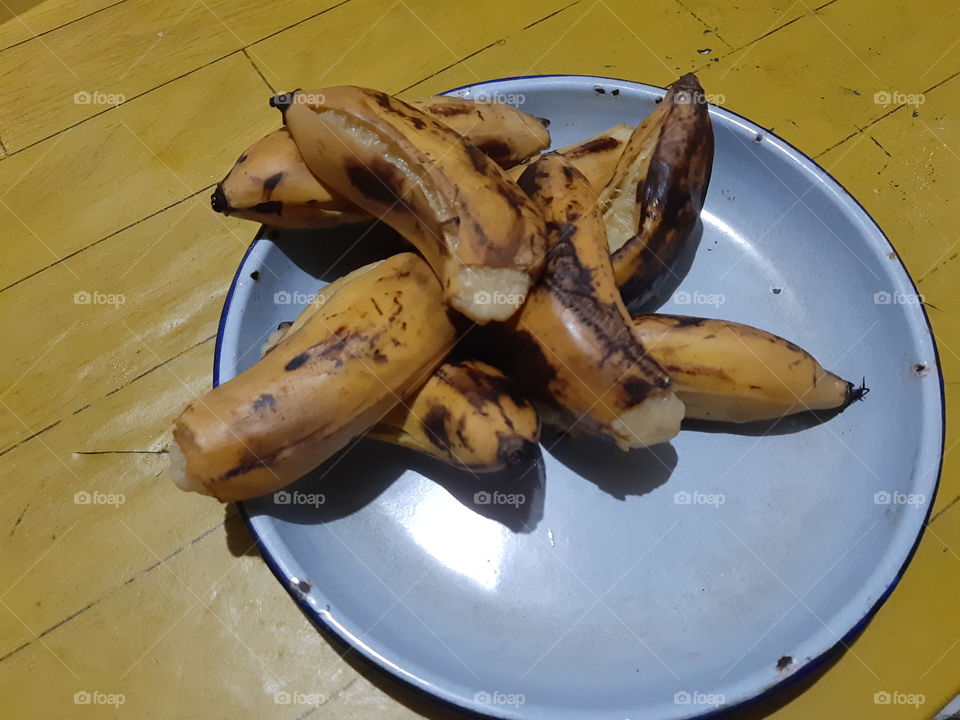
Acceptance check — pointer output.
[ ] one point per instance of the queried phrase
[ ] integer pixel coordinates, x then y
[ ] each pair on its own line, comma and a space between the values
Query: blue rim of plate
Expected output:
813, 664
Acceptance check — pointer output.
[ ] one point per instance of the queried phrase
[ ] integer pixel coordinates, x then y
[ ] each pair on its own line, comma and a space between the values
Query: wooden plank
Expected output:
141, 640
75, 72
422, 38
101, 176
245, 640
46, 526
814, 82
21, 20
162, 280
743, 22
654, 43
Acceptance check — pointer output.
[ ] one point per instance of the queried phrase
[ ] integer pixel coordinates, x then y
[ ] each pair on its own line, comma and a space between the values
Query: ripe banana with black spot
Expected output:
653, 201
502, 132
573, 337
596, 157
467, 415
271, 184
729, 372
483, 237
379, 334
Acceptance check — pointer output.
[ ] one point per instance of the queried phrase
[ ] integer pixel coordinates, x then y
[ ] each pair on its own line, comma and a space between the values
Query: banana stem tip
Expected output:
855, 393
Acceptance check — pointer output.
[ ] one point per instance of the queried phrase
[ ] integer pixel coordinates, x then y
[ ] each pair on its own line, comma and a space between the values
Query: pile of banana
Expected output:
537, 254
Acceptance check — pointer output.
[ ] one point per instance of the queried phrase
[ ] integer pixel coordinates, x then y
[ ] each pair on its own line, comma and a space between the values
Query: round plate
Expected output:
662, 583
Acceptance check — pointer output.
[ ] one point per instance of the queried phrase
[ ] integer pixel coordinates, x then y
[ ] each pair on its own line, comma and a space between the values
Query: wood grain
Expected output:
123, 52
120, 167
22, 20
422, 37
160, 599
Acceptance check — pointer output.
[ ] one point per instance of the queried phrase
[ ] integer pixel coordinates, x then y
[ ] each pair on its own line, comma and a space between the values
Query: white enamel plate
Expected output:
666, 583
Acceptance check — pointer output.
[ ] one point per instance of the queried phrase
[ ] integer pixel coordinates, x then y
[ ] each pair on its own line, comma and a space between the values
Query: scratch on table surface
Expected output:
19, 518
943, 510
500, 41
128, 581
29, 438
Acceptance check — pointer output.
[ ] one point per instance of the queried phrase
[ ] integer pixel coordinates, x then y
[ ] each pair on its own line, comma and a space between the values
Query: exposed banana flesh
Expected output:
375, 337
483, 237
654, 199
729, 372
596, 157
573, 336
271, 184
466, 415
502, 132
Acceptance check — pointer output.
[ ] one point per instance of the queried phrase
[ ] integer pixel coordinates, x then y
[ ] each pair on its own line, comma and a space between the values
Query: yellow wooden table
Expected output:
153, 603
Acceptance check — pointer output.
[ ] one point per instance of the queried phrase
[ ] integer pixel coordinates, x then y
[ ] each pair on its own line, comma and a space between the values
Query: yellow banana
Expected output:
655, 196
730, 372
375, 337
573, 336
271, 184
502, 132
596, 157
483, 237
466, 415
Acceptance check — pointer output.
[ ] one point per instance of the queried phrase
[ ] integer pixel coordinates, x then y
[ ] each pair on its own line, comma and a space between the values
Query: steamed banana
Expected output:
466, 415
729, 372
377, 335
502, 132
483, 237
596, 157
573, 336
653, 201
271, 184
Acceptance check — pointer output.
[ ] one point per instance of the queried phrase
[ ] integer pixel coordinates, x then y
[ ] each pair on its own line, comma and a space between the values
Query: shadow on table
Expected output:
330, 253
615, 472
356, 476
10, 9
786, 425
359, 474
